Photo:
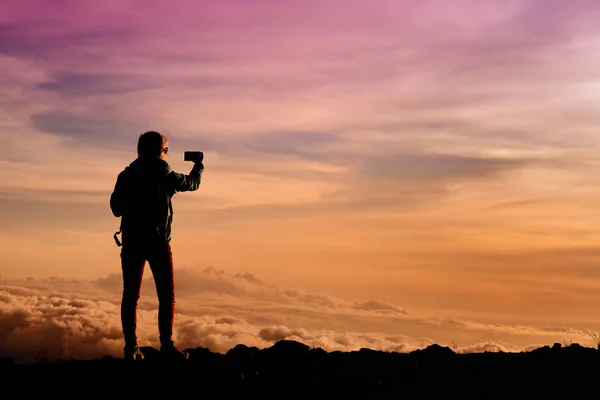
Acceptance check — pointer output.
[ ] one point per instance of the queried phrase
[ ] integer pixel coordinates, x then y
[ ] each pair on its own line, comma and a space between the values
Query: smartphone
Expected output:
193, 156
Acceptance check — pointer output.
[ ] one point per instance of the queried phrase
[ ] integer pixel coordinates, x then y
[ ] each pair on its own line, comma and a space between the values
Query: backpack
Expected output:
147, 209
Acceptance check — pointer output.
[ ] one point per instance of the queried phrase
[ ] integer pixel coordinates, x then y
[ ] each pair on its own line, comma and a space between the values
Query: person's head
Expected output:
153, 144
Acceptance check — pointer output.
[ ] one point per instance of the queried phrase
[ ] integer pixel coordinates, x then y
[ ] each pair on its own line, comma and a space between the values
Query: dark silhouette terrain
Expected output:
288, 369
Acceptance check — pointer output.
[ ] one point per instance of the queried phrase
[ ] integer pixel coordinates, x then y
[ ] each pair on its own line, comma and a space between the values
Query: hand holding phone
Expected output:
195, 156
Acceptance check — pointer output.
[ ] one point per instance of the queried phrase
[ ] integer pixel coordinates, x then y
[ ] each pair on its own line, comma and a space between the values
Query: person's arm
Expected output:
117, 196
186, 183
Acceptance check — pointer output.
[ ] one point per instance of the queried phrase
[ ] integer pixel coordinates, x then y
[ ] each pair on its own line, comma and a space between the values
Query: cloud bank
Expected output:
80, 319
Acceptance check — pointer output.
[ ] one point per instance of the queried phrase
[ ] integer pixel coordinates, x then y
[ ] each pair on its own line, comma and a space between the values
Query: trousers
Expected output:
133, 261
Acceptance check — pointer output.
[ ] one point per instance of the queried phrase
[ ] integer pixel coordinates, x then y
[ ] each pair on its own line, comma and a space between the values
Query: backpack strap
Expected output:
169, 218
117, 241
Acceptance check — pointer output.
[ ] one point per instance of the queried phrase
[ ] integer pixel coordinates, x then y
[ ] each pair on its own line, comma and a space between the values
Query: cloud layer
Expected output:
80, 319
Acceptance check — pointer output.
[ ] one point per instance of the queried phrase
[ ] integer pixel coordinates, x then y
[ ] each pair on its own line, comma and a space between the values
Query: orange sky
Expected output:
437, 159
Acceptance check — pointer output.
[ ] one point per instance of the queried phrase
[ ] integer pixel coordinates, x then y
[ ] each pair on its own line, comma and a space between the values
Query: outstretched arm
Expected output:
186, 183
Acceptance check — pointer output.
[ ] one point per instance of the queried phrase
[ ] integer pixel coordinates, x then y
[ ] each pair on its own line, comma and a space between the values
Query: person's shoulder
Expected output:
124, 172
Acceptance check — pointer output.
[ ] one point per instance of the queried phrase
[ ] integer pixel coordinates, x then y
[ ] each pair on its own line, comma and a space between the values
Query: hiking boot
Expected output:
170, 352
133, 353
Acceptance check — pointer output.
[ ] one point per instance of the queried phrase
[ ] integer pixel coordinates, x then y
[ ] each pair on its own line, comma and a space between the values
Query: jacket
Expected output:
135, 195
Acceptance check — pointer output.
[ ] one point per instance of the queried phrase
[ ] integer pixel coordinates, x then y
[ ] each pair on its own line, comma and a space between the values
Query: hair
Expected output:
151, 144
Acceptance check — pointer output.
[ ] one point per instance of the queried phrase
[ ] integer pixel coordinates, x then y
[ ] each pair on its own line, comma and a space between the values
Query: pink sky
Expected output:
410, 161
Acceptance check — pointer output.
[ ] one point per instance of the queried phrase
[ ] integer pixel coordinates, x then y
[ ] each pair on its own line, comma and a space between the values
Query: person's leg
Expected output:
132, 263
161, 264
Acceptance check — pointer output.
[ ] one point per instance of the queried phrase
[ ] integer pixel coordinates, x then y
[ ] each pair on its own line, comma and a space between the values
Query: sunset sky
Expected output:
385, 174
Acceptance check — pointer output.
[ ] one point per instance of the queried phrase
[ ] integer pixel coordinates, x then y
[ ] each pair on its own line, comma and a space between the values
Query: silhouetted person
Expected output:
142, 198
